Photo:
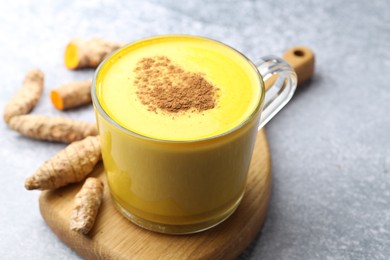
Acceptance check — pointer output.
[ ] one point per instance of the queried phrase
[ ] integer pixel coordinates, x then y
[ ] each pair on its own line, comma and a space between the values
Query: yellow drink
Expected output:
186, 171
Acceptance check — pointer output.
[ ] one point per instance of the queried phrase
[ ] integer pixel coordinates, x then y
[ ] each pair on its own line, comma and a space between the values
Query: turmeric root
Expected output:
72, 95
88, 53
27, 97
86, 206
56, 129
70, 165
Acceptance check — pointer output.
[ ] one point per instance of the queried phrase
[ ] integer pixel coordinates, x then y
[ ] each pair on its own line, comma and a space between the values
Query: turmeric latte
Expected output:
178, 88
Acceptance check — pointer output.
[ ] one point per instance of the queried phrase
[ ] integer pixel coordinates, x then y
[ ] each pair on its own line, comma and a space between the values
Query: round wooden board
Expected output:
114, 237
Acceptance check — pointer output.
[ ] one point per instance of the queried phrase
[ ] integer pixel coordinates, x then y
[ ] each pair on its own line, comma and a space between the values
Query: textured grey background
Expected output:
330, 146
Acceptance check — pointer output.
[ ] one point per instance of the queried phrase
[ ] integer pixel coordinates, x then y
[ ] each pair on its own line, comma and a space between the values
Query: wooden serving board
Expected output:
115, 237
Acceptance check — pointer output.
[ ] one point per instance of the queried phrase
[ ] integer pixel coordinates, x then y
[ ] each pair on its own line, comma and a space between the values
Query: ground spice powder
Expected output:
165, 86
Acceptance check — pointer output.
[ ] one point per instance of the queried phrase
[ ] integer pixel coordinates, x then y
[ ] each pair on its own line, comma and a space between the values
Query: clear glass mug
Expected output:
181, 187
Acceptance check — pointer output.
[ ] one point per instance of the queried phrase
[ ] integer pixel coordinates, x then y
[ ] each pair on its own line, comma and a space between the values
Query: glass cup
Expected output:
181, 187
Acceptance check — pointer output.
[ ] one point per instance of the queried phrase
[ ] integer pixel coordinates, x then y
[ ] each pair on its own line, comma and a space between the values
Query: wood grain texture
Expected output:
115, 237
302, 60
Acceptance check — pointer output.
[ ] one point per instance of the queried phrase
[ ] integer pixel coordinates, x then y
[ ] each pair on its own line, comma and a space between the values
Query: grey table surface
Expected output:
330, 145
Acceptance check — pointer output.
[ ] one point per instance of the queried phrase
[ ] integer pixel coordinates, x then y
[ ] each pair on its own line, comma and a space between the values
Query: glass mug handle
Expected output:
280, 82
